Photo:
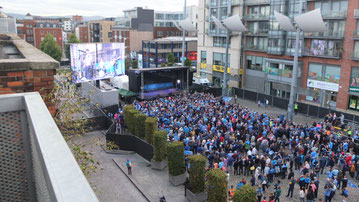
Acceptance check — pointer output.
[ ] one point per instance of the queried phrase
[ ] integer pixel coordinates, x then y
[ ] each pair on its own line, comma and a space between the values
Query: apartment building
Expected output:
155, 51
81, 32
328, 61
100, 31
212, 42
41, 29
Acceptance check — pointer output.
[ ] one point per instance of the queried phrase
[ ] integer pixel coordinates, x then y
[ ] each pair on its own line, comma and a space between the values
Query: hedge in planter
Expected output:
216, 185
126, 109
196, 173
132, 121
140, 120
245, 193
175, 157
150, 128
160, 145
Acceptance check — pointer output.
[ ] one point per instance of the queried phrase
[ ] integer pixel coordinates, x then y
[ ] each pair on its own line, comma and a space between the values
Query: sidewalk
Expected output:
274, 111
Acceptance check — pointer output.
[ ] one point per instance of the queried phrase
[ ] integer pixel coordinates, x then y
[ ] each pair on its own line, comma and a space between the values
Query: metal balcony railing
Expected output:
43, 167
257, 32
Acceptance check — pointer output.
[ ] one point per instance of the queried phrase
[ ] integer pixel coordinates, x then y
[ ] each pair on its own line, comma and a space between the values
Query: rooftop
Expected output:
17, 55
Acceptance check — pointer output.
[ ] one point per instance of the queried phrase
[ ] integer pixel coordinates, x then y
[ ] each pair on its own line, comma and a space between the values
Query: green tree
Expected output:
245, 193
216, 185
72, 39
170, 59
187, 62
50, 47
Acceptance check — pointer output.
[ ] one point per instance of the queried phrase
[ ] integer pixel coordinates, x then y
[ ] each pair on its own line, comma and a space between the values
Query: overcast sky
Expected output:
106, 8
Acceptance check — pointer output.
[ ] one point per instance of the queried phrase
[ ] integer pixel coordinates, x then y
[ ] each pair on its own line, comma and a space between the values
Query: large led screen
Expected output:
95, 61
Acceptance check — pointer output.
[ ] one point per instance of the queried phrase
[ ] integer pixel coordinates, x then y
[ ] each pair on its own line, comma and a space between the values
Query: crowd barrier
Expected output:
303, 108
131, 143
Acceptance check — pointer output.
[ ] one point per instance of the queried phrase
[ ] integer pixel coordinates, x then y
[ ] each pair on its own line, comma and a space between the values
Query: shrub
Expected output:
175, 155
150, 128
170, 59
160, 145
196, 173
140, 120
245, 193
132, 121
216, 185
163, 65
126, 109
187, 62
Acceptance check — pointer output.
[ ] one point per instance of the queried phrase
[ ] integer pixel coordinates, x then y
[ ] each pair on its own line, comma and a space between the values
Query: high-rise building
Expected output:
328, 61
212, 42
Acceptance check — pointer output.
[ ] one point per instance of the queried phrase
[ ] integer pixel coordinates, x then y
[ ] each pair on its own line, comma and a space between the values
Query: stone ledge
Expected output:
34, 59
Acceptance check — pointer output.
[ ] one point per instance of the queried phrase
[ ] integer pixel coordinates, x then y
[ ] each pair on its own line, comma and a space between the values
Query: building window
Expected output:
331, 72
48, 31
42, 38
214, 12
29, 25
159, 33
54, 32
220, 59
255, 63
29, 31
110, 35
42, 32
223, 13
30, 38
203, 57
220, 42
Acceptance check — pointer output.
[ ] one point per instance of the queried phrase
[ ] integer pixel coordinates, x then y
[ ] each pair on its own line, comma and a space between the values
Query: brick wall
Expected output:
28, 81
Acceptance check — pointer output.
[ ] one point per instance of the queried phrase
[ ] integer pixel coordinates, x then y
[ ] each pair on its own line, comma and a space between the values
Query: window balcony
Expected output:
256, 17
354, 56
257, 2
325, 35
330, 14
356, 13
37, 163
356, 35
275, 50
255, 48
235, 2
261, 32
336, 54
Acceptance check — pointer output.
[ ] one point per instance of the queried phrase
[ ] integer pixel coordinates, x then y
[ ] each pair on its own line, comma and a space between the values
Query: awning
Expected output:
126, 93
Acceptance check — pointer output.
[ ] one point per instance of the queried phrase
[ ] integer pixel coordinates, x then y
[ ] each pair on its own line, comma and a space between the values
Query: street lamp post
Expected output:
293, 87
224, 88
184, 34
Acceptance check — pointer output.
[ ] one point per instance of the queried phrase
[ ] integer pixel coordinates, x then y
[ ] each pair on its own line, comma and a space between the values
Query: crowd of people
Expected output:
259, 147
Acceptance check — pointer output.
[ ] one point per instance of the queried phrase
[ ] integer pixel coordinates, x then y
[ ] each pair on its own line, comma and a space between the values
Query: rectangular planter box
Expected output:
158, 165
200, 197
177, 180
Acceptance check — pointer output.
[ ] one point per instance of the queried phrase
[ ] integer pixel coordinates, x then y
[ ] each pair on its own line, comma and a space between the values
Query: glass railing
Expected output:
256, 47
257, 16
253, 2
325, 34
334, 14
356, 13
258, 32
323, 53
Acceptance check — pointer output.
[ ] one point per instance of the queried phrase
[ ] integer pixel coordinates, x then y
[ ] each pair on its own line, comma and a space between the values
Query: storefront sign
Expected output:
203, 65
218, 68
323, 85
354, 89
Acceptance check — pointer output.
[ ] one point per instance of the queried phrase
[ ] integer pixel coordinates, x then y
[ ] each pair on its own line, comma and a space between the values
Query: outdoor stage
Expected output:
161, 81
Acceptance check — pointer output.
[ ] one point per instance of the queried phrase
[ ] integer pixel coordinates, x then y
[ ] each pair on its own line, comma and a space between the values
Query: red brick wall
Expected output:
28, 81
83, 34
38, 35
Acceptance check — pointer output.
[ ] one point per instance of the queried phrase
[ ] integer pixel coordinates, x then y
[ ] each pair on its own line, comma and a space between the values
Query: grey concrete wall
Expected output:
104, 98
